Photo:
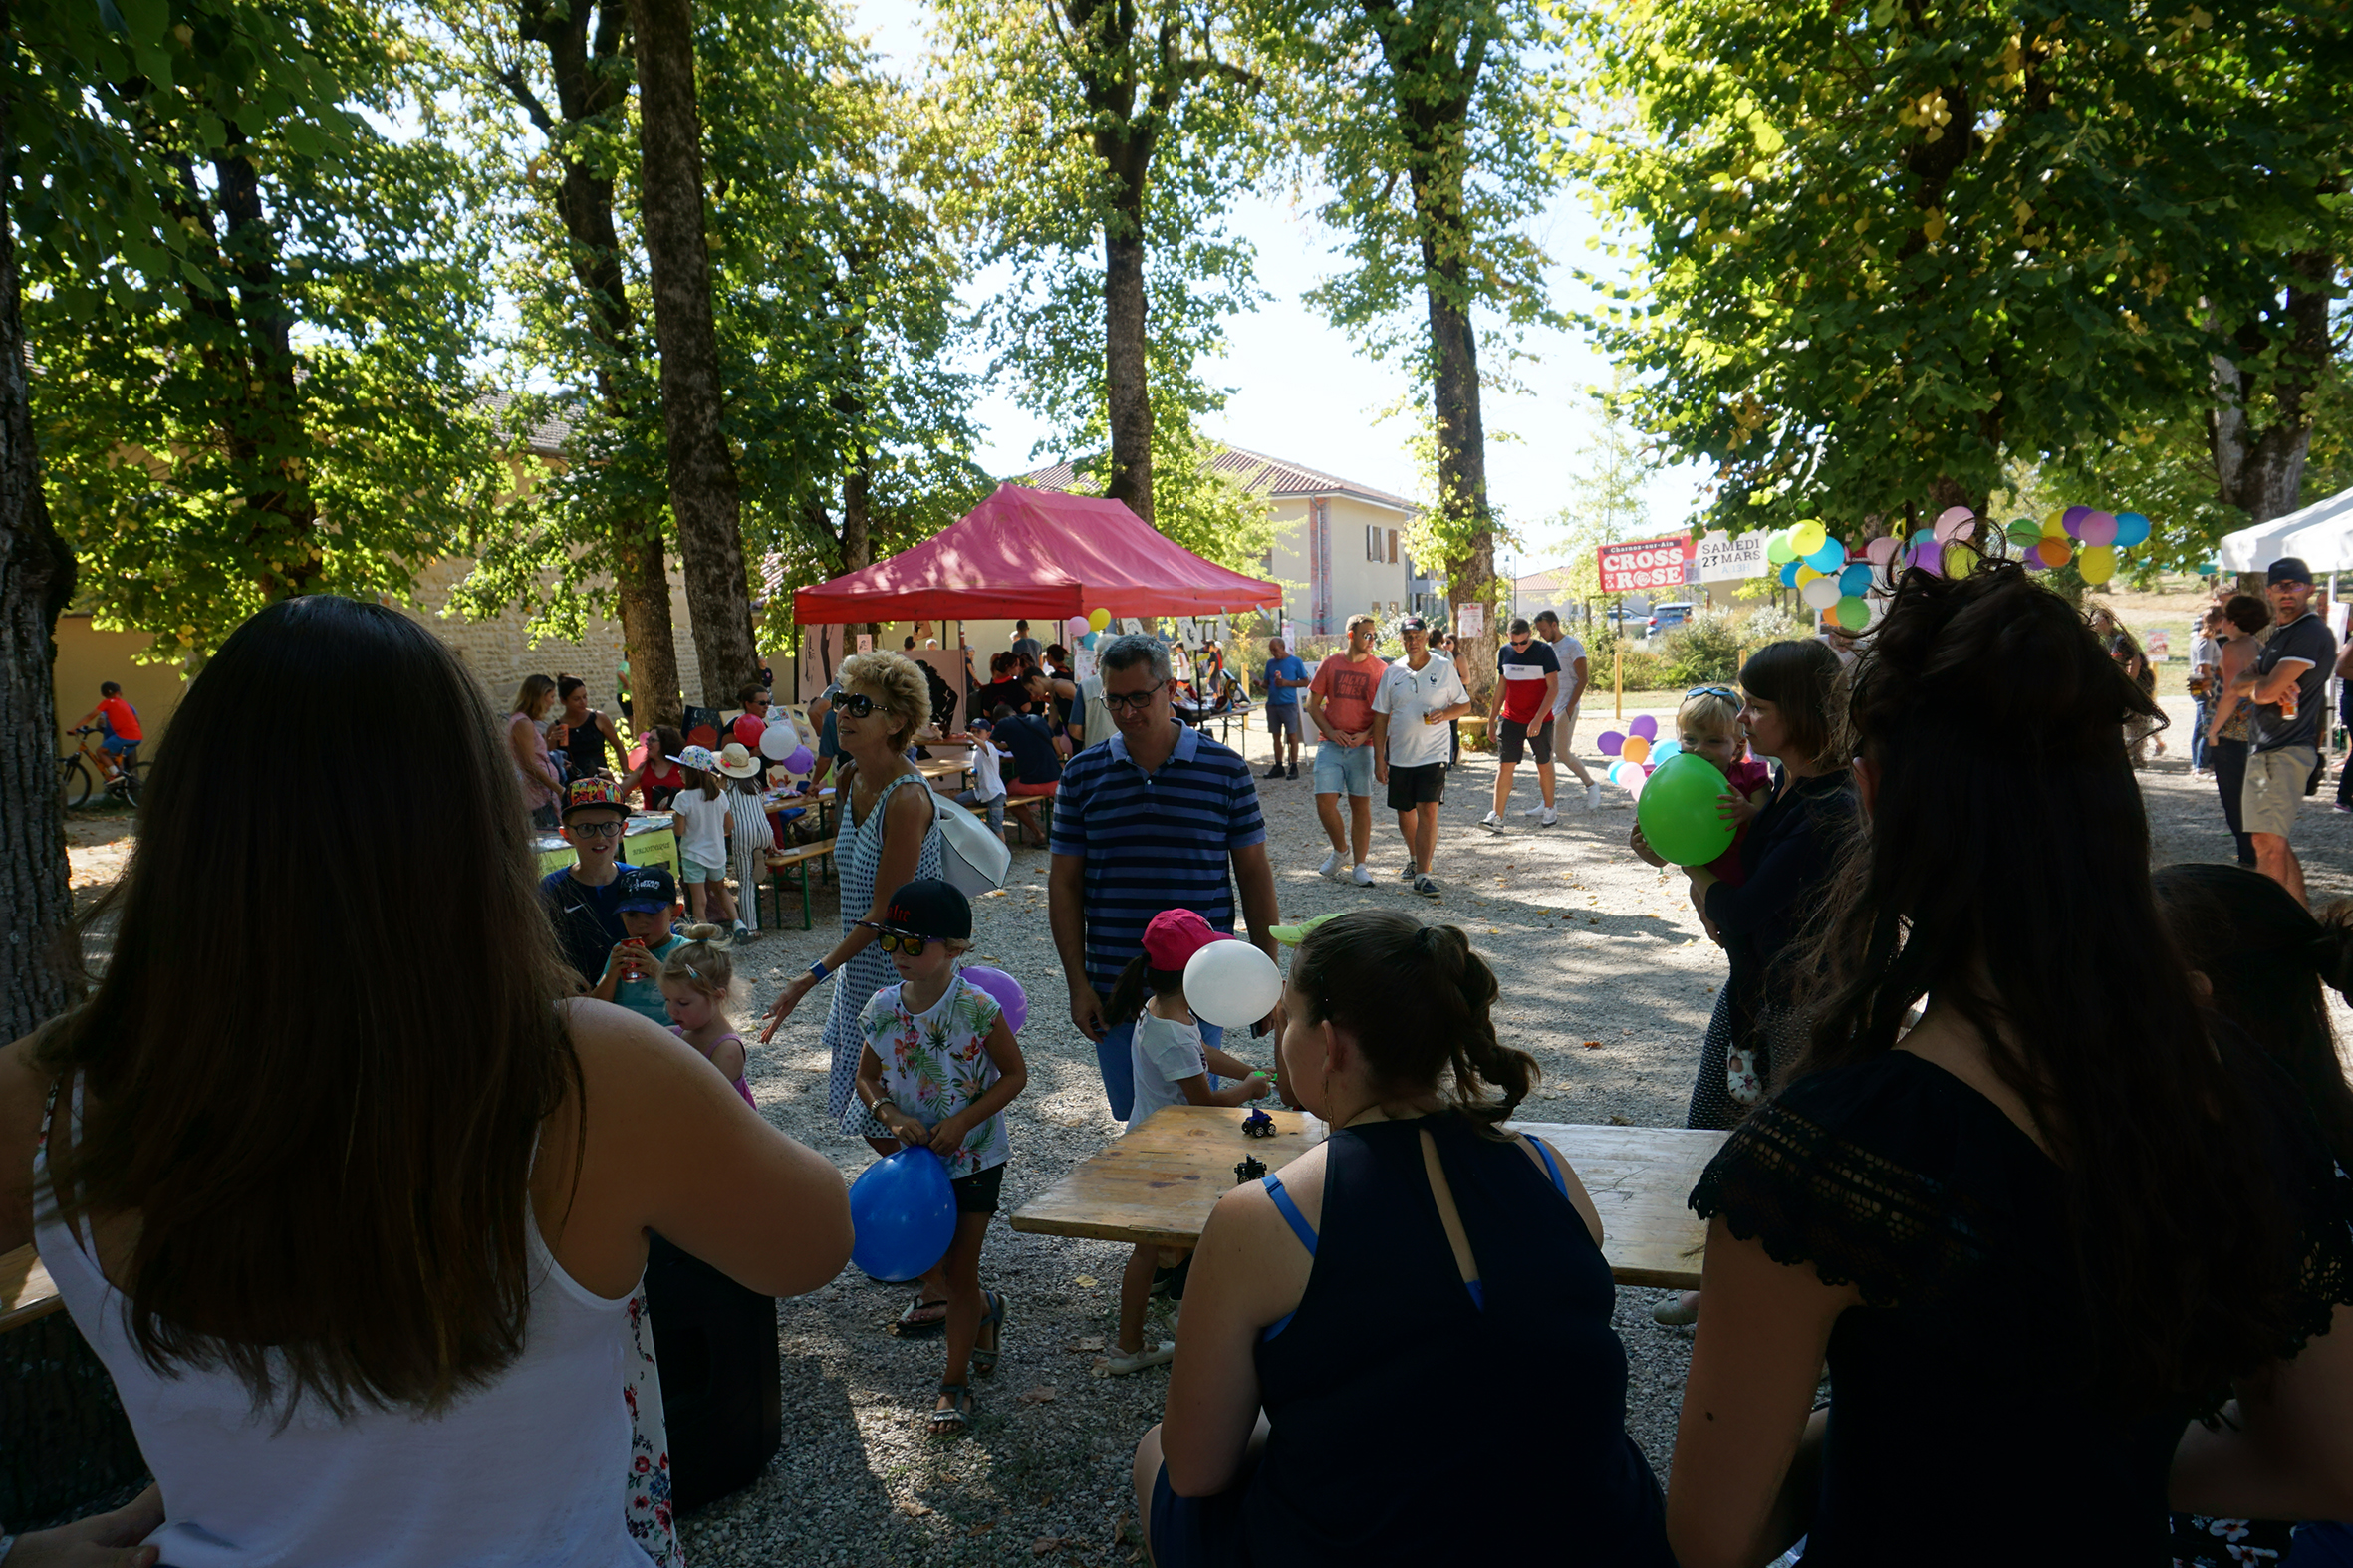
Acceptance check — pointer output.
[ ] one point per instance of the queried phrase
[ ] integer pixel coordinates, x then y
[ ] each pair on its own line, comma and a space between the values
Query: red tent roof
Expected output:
1036, 553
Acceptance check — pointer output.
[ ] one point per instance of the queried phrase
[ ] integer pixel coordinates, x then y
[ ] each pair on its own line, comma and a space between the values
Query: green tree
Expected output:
254, 344
1606, 502
1882, 254
1430, 144
1124, 126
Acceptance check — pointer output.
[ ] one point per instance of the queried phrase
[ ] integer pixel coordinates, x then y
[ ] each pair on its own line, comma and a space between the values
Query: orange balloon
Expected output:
1637, 750
2054, 552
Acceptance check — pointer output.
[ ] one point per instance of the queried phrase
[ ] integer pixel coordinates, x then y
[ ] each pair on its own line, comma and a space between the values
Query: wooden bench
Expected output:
24, 1289
795, 860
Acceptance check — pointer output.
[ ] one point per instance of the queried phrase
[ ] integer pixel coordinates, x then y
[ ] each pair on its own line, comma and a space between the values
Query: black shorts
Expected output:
977, 1192
1539, 739
1410, 787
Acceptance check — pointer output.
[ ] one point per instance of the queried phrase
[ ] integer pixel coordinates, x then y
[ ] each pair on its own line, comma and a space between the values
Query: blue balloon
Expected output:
1087, 640
1829, 557
1662, 750
1789, 574
1855, 580
2131, 529
902, 1215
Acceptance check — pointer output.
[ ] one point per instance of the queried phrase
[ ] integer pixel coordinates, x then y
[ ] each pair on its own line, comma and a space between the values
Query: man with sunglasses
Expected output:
1523, 704
754, 720
584, 899
1156, 816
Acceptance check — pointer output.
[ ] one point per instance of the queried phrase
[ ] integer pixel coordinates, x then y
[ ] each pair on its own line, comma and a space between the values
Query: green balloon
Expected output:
1779, 550
1678, 810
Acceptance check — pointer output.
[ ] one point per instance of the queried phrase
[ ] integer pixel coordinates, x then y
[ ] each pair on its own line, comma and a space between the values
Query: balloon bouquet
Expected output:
1085, 629
2091, 538
1638, 750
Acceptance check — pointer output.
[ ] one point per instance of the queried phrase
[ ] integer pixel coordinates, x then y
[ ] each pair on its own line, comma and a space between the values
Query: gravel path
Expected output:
1591, 945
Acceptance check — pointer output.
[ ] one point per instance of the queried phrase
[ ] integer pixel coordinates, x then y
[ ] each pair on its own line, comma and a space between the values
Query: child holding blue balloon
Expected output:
938, 1067
1171, 1067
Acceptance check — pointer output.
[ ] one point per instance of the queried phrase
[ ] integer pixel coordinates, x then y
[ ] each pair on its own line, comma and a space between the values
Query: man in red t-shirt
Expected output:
118, 718
1340, 706
1524, 698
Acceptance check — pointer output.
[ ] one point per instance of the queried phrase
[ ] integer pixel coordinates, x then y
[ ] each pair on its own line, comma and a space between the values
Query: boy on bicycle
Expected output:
118, 720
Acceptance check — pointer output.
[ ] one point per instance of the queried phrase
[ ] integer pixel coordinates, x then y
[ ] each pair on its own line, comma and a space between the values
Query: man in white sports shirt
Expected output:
1416, 696
1523, 716
1575, 675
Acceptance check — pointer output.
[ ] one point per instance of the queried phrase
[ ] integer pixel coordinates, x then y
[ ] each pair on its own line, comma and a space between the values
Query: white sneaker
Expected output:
1361, 876
1121, 1362
1330, 864
1550, 819
1593, 797
1492, 822
1536, 810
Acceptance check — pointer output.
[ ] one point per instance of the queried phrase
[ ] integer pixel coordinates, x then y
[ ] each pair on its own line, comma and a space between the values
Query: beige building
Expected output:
1339, 545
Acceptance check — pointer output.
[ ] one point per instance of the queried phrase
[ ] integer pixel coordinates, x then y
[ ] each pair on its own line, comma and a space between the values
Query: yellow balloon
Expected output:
2097, 563
1807, 538
2055, 526
1096, 620
1636, 749
1807, 574
1959, 559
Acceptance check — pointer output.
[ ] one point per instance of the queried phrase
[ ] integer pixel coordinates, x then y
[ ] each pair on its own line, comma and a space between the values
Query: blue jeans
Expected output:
2198, 737
1116, 1056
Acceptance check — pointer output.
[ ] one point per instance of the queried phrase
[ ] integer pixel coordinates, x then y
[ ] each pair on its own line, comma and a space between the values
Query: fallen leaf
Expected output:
1042, 1395
1100, 1367
1085, 1282
914, 1510
1593, 1045
1494, 930
1045, 1545
1618, 1120
1090, 1342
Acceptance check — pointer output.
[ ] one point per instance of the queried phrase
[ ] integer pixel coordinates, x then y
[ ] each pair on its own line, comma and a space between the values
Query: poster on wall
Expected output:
1082, 666
1726, 557
1470, 623
866, 641
1642, 564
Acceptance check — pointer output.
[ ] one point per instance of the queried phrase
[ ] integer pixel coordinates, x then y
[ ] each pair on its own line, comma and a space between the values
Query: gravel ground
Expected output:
1589, 943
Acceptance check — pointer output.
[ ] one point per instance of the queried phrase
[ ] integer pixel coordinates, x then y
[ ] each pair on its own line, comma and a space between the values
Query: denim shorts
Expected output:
1343, 770
696, 871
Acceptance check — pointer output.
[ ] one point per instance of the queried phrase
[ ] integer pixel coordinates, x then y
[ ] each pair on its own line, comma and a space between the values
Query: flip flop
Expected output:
984, 1359
910, 1326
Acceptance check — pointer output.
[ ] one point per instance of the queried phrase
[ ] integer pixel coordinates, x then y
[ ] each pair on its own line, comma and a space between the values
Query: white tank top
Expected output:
527, 1469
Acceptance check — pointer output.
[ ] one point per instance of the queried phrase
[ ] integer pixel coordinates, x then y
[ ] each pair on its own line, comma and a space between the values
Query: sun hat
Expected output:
702, 758
1174, 935
587, 793
737, 762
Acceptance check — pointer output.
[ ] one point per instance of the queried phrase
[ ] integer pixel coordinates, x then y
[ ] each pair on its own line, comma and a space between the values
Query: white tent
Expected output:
2321, 534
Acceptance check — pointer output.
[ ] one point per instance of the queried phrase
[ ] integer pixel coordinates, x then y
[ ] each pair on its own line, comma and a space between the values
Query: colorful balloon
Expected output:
2055, 525
1959, 559
1096, 620
1829, 557
1643, 726
1930, 558
1077, 625
1880, 550
1790, 571
1950, 524
1610, 743
1232, 985
1007, 992
1806, 538
2025, 533
2071, 520
2054, 552
1806, 573
1677, 812
1853, 613
1820, 594
902, 1215
2097, 528
1779, 549
1662, 750
2131, 529
1855, 579
1637, 750
2097, 563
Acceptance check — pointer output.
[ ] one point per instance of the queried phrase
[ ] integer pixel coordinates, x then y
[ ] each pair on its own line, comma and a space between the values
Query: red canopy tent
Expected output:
1036, 553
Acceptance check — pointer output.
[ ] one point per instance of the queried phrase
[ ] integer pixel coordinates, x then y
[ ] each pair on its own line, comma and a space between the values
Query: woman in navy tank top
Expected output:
1392, 1344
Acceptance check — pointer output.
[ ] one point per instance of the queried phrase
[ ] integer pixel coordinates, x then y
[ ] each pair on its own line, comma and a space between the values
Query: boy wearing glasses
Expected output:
584, 899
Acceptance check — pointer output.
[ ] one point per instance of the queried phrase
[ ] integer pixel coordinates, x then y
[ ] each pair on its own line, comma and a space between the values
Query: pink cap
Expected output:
1174, 935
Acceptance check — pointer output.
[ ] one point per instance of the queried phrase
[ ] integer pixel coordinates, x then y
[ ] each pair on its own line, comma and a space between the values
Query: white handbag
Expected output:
972, 858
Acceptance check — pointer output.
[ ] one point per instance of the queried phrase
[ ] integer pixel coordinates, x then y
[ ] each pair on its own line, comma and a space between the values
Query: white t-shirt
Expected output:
705, 838
1568, 650
1164, 1052
988, 782
1404, 694
2206, 651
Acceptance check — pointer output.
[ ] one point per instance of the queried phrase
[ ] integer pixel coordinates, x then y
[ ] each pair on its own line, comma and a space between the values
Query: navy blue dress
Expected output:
1415, 1420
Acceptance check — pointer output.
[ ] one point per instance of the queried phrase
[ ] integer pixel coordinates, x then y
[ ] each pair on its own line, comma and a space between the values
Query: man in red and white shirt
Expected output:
1522, 715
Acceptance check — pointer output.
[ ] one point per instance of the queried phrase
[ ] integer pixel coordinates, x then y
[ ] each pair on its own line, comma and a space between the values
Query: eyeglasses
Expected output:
757, 702
594, 830
859, 705
1136, 702
895, 941
1726, 692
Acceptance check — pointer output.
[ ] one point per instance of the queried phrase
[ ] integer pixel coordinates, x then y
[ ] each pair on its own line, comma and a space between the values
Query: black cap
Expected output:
646, 889
929, 907
2288, 569
1413, 624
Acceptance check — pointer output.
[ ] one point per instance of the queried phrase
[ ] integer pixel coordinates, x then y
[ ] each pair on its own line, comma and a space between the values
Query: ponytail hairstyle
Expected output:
1127, 995
2002, 866
1418, 1003
2266, 957
705, 964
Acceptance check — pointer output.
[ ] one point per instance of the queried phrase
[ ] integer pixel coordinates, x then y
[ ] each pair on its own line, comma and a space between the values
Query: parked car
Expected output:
1666, 617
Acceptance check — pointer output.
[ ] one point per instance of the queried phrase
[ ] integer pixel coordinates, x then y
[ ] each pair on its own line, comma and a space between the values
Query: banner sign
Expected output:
1642, 564
1725, 558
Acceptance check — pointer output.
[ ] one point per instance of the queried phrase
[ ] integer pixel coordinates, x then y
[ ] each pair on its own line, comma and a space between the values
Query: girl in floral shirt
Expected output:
938, 1067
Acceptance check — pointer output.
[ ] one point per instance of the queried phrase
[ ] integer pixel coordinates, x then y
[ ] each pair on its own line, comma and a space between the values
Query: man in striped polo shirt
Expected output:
1151, 819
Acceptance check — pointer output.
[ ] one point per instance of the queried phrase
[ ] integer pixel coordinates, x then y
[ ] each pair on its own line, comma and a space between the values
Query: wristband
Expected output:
818, 971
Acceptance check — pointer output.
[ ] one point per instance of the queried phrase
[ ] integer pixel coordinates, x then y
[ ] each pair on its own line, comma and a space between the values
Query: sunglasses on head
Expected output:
900, 942
1726, 692
859, 705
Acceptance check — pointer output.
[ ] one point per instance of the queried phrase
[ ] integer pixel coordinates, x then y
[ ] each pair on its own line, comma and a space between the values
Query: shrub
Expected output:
1704, 650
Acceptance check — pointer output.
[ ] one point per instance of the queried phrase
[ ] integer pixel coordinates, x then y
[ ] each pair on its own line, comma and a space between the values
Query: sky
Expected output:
1302, 391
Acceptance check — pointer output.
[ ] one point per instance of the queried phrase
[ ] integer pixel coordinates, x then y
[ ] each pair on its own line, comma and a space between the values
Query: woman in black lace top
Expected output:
2043, 1232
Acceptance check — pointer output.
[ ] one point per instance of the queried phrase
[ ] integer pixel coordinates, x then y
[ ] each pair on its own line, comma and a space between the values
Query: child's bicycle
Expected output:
83, 768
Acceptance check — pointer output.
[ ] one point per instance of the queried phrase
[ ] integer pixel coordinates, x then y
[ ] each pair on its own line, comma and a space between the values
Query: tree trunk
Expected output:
589, 86
274, 398
2261, 470
1461, 463
1126, 380
702, 488
36, 582
857, 540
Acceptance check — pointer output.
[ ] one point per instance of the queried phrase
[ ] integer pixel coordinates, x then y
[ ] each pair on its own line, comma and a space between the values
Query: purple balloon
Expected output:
1006, 989
1645, 726
800, 761
1930, 558
2072, 519
1610, 743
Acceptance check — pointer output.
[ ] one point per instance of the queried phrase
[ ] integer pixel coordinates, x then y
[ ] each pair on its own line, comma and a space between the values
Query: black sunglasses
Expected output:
858, 704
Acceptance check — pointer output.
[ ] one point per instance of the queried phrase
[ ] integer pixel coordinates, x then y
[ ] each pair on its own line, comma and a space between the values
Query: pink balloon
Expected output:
1645, 726
2097, 529
1076, 626
1952, 523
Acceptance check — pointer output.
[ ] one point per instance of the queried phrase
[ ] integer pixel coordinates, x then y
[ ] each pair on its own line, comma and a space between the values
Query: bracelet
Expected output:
818, 971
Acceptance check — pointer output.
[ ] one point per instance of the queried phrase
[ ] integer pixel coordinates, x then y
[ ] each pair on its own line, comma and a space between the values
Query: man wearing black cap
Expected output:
1417, 696
2287, 685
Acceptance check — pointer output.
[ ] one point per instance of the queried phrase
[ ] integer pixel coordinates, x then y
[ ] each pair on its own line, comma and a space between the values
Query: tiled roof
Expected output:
1255, 472
544, 438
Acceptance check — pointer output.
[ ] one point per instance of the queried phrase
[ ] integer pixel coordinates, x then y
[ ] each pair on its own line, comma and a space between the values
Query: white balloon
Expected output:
779, 741
1232, 985
1820, 594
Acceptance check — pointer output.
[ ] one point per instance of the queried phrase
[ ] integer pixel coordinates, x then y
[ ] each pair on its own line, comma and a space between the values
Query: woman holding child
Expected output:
2065, 1246
353, 1206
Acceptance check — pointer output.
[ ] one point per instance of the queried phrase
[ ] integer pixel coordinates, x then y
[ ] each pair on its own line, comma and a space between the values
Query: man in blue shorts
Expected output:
1340, 706
1285, 675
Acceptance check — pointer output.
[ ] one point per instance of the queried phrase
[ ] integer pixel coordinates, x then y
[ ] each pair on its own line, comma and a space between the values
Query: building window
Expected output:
1393, 552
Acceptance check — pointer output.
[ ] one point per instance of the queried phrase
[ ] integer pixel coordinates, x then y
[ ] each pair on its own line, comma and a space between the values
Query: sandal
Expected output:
911, 1326
985, 1357
958, 1416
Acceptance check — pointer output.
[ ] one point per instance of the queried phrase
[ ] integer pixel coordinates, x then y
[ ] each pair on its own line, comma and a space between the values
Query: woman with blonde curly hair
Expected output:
888, 837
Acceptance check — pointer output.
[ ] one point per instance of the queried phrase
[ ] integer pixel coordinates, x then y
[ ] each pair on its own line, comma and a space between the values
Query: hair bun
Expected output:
701, 932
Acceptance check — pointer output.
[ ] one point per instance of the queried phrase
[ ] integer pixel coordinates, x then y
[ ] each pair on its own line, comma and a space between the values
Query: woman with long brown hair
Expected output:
2041, 1230
352, 1206
526, 738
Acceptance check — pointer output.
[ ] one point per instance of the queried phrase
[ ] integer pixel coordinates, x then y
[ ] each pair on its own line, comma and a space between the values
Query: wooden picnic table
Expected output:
935, 770
24, 1289
1159, 1182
